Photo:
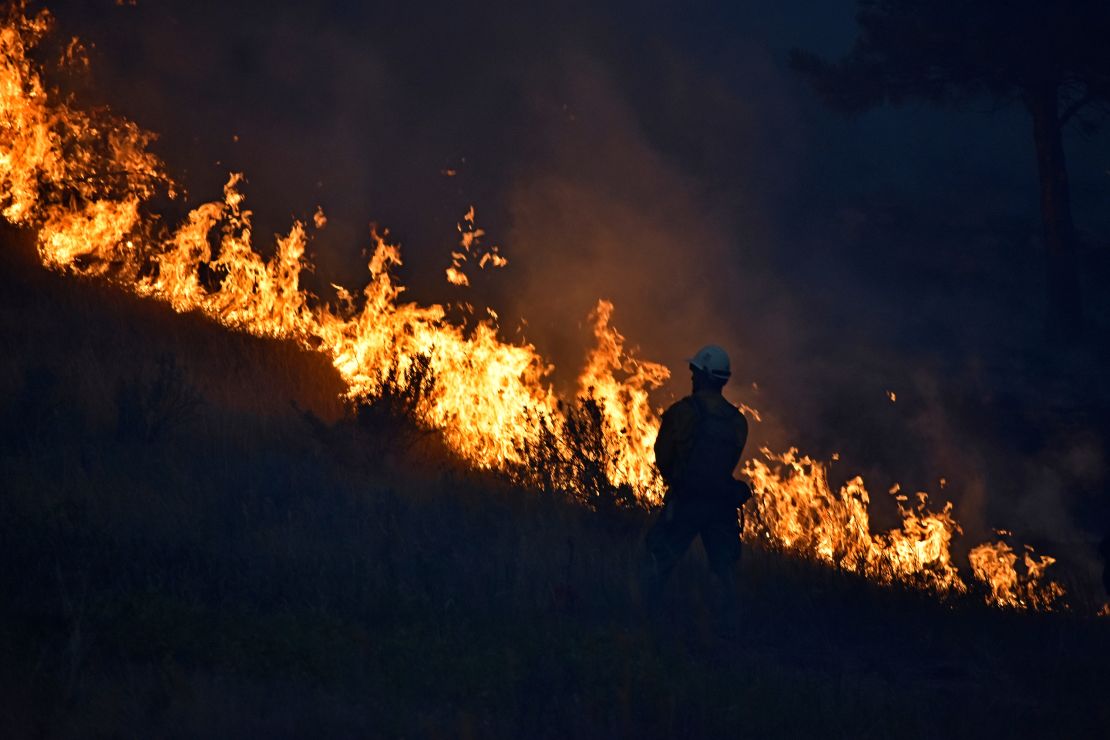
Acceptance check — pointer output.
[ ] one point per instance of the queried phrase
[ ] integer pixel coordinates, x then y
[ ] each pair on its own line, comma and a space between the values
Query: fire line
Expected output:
82, 180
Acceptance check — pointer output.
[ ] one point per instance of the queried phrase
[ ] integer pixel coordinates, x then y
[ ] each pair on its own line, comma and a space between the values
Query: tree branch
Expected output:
1076, 106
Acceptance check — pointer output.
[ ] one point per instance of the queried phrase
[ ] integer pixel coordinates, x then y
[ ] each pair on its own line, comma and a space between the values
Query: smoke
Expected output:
602, 214
696, 185
596, 189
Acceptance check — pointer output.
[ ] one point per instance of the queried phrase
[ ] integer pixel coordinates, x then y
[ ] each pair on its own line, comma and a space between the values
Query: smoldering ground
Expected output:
669, 162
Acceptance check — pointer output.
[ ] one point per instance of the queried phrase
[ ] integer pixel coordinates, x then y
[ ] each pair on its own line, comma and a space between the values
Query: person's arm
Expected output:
741, 436
665, 446
673, 430
743, 487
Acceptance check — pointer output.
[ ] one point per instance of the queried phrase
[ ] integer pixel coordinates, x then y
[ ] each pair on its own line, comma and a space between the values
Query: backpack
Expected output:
707, 474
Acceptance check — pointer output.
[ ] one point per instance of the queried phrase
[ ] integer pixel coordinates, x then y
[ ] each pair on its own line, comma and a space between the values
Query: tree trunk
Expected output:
1065, 302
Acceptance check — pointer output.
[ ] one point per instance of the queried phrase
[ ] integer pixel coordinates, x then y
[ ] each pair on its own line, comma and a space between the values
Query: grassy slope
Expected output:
250, 573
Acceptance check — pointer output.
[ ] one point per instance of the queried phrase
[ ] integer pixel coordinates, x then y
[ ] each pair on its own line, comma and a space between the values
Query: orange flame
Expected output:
82, 180
994, 564
798, 510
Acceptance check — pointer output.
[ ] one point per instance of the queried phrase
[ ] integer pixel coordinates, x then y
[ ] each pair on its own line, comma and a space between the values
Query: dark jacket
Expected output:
676, 433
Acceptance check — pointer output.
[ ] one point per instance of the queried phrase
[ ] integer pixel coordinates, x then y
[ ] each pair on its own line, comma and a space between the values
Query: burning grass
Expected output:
84, 182
271, 569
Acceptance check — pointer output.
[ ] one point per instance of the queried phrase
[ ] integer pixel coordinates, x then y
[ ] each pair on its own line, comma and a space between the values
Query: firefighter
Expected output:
699, 445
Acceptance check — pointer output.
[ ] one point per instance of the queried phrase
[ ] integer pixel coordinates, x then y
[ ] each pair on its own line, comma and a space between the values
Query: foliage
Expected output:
575, 451
402, 393
391, 416
1051, 57
953, 52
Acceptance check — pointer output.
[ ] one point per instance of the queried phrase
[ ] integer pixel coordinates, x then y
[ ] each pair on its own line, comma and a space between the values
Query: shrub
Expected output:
571, 457
151, 404
386, 424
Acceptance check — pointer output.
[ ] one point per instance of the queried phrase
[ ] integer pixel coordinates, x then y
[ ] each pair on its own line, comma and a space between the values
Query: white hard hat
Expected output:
712, 360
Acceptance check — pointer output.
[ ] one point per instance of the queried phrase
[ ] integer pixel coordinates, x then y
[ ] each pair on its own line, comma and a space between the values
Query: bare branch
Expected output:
1077, 105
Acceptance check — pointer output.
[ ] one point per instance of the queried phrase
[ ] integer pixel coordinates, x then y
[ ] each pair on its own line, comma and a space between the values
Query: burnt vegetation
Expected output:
216, 545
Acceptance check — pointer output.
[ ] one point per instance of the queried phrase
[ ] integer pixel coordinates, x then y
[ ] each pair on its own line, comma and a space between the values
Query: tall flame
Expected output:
82, 179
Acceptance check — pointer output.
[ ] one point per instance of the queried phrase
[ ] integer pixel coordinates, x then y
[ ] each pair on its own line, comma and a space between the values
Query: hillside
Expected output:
202, 541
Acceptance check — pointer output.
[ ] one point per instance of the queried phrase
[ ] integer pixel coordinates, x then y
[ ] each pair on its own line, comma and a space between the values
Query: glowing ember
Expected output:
81, 180
468, 245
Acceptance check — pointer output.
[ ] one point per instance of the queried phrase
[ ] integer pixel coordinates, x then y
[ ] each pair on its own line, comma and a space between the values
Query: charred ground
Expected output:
201, 540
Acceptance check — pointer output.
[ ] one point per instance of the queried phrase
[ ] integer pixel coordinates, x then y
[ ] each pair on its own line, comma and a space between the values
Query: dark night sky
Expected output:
661, 156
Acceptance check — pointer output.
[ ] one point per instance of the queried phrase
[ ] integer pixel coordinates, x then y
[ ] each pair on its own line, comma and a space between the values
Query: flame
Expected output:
83, 180
798, 510
625, 404
469, 242
994, 564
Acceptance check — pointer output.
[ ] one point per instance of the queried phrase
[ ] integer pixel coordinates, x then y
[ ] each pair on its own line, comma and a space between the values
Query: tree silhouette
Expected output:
1052, 57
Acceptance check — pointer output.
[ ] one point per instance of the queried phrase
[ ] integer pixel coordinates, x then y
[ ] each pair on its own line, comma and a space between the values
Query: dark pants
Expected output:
673, 532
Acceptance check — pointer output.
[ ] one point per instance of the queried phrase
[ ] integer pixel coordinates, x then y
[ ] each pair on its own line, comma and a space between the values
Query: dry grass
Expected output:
270, 565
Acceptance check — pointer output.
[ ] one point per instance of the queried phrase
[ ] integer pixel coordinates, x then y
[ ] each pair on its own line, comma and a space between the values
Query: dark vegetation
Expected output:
200, 540
575, 450
1051, 58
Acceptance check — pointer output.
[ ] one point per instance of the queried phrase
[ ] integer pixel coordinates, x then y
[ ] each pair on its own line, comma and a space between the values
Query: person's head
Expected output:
710, 368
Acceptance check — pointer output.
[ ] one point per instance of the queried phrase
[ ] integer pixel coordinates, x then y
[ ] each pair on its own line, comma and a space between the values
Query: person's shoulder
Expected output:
718, 405
725, 407
681, 408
